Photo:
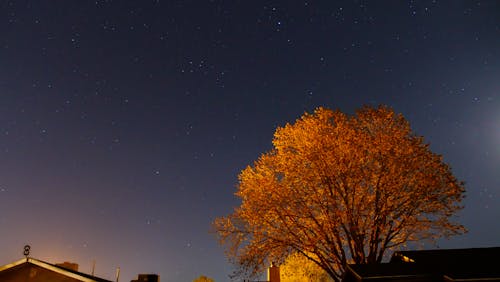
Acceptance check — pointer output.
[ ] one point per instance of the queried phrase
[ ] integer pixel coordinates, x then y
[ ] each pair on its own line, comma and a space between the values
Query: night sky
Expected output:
124, 124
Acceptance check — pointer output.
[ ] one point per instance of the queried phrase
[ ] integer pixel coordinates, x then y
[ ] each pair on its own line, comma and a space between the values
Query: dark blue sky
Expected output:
124, 124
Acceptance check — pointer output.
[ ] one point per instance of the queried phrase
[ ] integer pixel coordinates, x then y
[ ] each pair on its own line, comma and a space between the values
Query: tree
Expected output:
297, 268
203, 278
340, 189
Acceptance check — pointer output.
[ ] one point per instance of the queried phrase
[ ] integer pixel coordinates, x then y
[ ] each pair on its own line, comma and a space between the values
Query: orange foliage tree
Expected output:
340, 189
203, 278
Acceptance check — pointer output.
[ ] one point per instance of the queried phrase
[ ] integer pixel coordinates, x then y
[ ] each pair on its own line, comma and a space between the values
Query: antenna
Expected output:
117, 274
93, 267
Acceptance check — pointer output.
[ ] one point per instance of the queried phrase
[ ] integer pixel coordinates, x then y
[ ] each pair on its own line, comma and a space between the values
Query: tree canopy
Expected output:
340, 189
203, 278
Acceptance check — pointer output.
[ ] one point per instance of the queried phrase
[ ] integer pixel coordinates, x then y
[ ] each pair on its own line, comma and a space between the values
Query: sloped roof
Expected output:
461, 264
475, 264
388, 271
440, 256
75, 275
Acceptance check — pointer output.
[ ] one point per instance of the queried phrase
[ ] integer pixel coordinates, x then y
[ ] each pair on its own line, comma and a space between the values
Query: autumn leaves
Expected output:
336, 189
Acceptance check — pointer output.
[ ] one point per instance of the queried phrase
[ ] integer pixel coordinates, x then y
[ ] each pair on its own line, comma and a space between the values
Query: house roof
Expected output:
441, 256
388, 272
79, 276
477, 264
474, 263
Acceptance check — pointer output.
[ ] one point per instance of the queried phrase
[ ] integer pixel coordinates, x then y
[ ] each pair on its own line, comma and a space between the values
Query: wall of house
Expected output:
32, 273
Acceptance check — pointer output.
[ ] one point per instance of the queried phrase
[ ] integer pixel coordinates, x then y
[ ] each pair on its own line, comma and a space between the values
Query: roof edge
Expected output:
47, 266
60, 270
16, 263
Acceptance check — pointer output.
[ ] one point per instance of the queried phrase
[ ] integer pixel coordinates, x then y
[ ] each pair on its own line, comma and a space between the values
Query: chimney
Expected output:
68, 265
273, 274
147, 278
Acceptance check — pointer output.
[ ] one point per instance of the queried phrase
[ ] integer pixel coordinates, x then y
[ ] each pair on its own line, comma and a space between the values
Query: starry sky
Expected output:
124, 124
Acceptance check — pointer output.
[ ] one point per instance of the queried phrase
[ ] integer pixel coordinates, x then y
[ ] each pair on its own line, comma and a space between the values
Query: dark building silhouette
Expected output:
147, 278
33, 270
478, 264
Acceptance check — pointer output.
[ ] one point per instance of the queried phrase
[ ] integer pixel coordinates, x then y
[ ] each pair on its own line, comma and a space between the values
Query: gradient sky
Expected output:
124, 124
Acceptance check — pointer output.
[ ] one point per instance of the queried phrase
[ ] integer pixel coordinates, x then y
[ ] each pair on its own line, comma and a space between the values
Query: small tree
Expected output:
298, 268
203, 278
340, 189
